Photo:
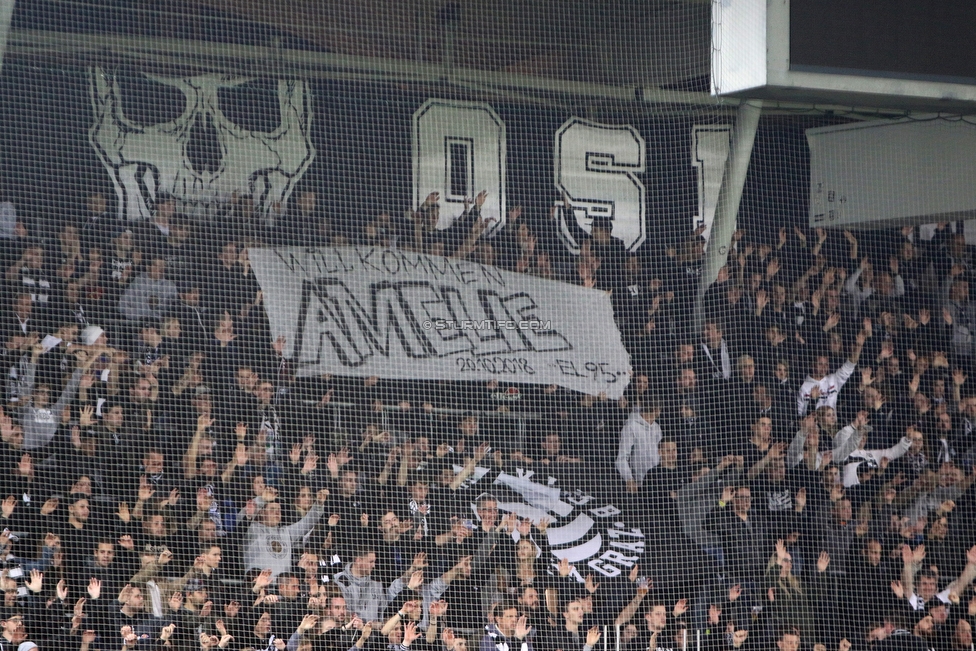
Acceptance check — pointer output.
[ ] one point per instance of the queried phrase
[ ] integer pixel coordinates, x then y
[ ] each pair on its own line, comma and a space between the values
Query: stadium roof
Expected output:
601, 48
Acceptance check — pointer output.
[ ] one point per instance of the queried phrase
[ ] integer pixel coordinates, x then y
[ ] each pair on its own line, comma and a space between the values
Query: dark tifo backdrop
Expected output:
362, 136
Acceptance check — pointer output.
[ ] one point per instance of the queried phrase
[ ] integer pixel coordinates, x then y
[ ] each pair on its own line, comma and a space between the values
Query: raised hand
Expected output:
308, 623
591, 585
8, 506
593, 636
36, 581
714, 615
167, 632
410, 633
94, 588
311, 463
680, 608
174, 497
365, 632
416, 580
438, 608
823, 561
295, 454
906, 555
50, 506
263, 579
146, 491
565, 569
971, 555
86, 416
898, 589
919, 554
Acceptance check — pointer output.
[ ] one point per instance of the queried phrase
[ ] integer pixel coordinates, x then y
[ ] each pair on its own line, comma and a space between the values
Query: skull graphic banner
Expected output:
145, 160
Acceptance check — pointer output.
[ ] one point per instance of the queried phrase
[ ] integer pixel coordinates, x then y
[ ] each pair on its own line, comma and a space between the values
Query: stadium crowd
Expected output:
801, 468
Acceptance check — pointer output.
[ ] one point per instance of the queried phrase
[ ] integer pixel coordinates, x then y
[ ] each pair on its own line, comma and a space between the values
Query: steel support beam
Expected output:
729, 198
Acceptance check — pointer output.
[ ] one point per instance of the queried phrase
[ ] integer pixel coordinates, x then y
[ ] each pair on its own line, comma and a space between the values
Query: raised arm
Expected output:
856, 353
849, 438
469, 466
632, 607
908, 569
776, 451
190, 458
303, 526
964, 580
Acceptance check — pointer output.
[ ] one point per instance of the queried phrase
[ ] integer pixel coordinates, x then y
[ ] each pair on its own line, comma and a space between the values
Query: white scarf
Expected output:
726, 371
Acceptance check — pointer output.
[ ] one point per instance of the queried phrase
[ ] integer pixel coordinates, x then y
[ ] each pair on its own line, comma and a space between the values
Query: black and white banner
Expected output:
368, 311
584, 528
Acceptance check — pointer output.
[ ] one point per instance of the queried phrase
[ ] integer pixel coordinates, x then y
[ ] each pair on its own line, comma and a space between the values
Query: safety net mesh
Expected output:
439, 326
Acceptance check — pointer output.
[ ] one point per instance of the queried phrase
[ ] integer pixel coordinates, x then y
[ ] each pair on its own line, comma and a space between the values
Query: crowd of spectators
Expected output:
800, 467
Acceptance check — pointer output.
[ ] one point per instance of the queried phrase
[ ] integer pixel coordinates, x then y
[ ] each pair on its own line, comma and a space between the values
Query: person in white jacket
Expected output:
822, 387
638, 452
849, 446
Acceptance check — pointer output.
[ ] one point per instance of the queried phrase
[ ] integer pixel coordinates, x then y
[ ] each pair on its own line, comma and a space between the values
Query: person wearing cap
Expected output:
196, 614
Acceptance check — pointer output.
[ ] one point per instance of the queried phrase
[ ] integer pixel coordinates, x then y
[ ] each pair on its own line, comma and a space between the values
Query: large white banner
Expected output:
368, 311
